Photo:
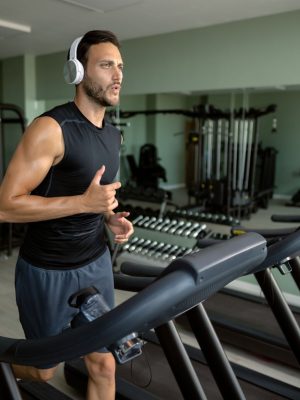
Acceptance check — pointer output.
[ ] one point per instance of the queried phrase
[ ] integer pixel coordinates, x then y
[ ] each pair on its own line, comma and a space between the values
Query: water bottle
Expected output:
91, 305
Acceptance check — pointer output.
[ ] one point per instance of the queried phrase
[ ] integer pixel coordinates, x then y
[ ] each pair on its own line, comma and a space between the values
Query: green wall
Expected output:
49, 77
170, 138
13, 88
173, 70
287, 138
134, 134
258, 52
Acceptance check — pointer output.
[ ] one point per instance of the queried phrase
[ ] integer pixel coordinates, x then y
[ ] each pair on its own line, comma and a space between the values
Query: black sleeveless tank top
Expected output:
76, 240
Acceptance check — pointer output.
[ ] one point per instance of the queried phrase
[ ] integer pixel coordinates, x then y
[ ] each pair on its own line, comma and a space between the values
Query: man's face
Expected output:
103, 74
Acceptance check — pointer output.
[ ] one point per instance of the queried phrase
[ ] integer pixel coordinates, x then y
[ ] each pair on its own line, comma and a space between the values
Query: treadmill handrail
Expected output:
186, 282
267, 233
287, 247
133, 283
285, 218
140, 270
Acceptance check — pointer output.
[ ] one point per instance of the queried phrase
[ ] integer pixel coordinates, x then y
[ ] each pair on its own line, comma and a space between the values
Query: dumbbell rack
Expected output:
158, 241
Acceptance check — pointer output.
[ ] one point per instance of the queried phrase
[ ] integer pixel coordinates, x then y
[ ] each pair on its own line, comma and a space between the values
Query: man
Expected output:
60, 182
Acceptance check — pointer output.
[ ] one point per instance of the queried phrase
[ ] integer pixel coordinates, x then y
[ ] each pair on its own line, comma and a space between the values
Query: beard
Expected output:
97, 93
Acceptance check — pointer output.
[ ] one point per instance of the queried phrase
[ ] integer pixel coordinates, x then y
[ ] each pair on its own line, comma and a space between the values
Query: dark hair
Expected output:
94, 37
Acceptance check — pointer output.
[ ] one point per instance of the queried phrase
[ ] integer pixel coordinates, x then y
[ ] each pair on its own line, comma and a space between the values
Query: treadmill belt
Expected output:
249, 325
163, 383
40, 391
248, 312
151, 373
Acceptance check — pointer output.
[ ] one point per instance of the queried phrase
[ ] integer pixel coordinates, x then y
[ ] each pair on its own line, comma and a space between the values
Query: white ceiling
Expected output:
53, 24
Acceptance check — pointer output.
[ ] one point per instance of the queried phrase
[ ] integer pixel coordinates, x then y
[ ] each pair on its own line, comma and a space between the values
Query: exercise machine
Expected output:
205, 335
10, 116
190, 279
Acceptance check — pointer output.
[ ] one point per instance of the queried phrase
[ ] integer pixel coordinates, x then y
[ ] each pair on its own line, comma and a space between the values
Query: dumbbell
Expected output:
161, 250
166, 221
189, 230
195, 233
157, 250
149, 222
177, 226
169, 226
183, 228
221, 219
130, 242
142, 221
144, 245
137, 219
168, 253
196, 230
187, 251
182, 212
134, 246
151, 246
157, 222
179, 252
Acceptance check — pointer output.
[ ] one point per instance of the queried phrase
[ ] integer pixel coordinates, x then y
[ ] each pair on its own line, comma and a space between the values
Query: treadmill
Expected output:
190, 279
256, 385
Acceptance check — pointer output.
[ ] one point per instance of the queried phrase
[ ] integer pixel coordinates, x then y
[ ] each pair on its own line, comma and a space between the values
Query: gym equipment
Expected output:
231, 173
10, 115
208, 340
261, 338
295, 200
227, 170
197, 214
189, 279
148, 171
158, 240
269, 286
73, 69
294, 262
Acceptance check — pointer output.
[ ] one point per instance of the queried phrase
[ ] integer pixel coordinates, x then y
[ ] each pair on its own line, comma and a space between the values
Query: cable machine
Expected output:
226, 163
10, 114
229, 162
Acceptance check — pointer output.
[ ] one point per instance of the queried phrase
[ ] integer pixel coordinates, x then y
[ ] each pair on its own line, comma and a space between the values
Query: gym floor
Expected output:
10, 325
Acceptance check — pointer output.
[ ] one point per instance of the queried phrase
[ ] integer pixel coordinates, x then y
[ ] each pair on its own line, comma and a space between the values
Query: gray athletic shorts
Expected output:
42, 294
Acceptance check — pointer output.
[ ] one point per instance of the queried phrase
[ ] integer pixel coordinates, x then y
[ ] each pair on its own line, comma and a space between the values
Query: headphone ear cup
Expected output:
73, 71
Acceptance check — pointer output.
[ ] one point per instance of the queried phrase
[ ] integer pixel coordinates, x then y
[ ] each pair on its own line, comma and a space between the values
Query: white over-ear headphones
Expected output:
73, 69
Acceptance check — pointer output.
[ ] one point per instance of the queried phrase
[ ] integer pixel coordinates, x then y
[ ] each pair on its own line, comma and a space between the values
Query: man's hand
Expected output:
121, 227
100, 198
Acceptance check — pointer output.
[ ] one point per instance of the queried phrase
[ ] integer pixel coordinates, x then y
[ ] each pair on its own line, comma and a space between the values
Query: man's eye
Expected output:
105, 65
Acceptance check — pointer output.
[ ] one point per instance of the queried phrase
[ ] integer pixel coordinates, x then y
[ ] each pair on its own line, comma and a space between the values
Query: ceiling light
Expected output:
89, 7
105, 6
15, 26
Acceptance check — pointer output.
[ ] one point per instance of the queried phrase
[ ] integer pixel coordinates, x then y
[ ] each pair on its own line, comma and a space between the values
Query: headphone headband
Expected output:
73, 69
73, 48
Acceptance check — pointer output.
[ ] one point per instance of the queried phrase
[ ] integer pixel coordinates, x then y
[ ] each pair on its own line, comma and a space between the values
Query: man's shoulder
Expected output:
60, 112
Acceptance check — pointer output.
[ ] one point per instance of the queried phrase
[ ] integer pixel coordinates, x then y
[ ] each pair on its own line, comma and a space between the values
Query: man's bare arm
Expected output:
40, 148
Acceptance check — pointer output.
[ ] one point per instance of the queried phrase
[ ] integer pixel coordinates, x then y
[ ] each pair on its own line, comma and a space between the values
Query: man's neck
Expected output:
92, 111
